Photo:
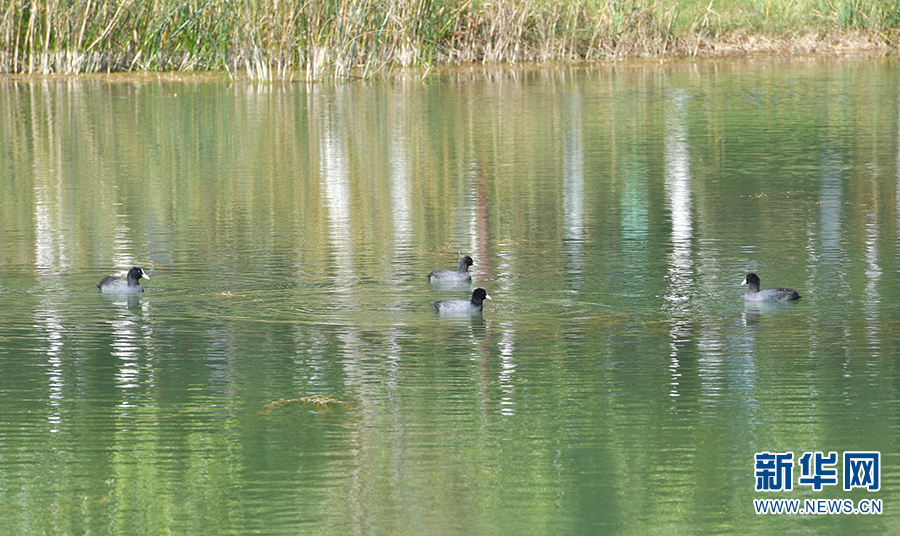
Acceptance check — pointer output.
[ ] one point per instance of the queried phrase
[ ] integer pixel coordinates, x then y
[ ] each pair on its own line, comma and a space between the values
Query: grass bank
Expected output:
267, 39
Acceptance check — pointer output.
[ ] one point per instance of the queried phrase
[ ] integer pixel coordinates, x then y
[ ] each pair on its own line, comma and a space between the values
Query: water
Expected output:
284, 373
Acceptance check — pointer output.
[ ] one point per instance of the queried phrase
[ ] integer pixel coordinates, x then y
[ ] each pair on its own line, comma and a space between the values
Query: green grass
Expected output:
269, 39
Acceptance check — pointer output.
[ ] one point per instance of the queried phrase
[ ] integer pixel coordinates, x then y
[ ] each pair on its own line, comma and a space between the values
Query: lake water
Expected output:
284, 373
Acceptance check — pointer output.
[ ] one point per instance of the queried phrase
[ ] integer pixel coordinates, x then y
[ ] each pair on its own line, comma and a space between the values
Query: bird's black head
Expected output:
136, 273
479, 295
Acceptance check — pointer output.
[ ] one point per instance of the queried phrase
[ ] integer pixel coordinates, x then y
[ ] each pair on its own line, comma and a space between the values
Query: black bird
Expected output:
463, 306
449, 276
117, 285
777, 294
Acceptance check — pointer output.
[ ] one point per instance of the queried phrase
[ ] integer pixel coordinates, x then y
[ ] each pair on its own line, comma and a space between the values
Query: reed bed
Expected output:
277, 39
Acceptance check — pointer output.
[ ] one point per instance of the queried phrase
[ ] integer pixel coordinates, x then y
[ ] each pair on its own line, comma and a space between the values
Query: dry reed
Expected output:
281, 39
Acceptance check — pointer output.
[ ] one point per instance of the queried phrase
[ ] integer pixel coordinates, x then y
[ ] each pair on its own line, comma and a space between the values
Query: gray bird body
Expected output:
118, 285
776, 294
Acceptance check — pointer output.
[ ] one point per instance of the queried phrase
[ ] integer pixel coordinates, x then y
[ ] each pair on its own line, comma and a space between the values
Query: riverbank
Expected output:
276, 40
836, 44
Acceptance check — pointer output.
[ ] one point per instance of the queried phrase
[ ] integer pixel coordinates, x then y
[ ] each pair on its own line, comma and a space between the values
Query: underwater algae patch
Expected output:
319, 402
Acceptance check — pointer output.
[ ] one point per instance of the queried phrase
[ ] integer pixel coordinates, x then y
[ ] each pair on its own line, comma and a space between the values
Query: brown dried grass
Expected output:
274, 39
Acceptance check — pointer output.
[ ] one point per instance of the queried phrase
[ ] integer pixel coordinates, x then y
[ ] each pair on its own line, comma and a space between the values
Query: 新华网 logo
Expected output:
774, 471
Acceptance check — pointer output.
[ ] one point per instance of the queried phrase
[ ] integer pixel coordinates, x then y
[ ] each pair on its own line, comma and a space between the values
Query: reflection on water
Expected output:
336, 186
50, 254
401, 185
678, 196
616, 383
51, 332
573, 192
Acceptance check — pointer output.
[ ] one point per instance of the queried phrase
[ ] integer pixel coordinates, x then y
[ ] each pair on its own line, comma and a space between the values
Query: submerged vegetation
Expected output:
320, 402
281, 38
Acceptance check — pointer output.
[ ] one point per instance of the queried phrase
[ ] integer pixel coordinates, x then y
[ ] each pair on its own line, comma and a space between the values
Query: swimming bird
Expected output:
449, 276
463, 306
110, 284
777, 294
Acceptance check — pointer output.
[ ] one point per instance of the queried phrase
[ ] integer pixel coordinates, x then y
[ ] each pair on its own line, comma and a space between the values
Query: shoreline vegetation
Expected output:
314, 39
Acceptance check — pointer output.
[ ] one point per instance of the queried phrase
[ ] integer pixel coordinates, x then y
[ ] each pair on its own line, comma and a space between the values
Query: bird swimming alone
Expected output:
777, 294
117, 285
463, 306
450, 276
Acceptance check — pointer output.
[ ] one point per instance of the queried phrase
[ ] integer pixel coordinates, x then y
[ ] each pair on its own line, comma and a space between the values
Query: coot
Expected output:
463, 306
111, 284
450, 276
777, 294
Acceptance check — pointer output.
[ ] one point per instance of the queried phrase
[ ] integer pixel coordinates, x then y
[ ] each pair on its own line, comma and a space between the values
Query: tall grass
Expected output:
317, 38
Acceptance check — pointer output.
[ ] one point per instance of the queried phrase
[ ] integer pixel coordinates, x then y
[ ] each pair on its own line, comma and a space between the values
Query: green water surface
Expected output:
284, 373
